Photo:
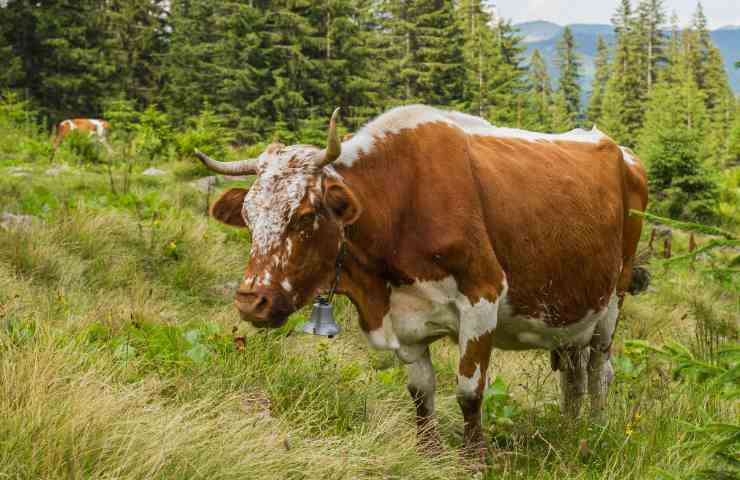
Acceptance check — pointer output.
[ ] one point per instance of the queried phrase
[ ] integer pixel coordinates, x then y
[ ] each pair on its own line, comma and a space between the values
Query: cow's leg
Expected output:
572, 364
422, 383
475, 355
600, 370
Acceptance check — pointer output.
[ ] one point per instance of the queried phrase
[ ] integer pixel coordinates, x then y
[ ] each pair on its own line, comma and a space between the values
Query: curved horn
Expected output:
333, 143
241, 167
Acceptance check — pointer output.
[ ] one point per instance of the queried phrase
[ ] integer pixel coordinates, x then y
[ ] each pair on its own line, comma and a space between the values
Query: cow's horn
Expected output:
333, 143
241, 167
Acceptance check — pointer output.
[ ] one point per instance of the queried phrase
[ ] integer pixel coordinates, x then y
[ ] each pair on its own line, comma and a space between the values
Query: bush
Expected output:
683, 185
205, 133
83, 146
153, 133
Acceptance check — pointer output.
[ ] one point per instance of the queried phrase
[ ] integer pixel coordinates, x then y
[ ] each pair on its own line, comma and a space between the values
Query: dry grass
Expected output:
116, 361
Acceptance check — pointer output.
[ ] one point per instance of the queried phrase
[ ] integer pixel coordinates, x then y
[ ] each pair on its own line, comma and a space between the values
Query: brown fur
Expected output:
82, 124
550, 218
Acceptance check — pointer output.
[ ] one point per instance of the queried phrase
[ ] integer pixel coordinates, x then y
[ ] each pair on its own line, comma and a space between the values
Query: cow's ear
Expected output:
228, 208
342, 202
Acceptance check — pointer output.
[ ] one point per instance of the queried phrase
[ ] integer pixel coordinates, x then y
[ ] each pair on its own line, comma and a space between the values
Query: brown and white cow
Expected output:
454, 228
95, 127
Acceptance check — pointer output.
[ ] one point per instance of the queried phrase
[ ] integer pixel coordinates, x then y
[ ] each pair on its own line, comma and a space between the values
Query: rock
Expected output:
203, 184
9, 221
153, 172
55, 171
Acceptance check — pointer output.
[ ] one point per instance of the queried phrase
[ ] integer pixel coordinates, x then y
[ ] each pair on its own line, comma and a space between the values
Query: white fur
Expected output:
99, 128
286, 285
516, 332
627, 156
468, 387
411, 116
427, 309
276, 194
421, 376
431, 309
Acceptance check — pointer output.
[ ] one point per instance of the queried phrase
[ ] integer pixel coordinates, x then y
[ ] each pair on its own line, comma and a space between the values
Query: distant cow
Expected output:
449, 227
96, 128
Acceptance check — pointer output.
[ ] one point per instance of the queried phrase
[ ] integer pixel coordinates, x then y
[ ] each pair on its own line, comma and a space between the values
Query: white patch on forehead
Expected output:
286, 285
411, 116
72, 125
276, 194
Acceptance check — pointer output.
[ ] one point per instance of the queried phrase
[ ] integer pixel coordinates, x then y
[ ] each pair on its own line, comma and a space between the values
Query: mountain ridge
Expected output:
543, 35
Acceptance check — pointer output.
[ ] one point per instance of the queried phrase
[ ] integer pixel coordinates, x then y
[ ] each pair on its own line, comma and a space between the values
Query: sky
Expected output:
719, 12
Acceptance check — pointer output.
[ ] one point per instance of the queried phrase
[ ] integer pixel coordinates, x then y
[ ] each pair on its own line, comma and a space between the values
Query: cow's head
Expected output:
296, 210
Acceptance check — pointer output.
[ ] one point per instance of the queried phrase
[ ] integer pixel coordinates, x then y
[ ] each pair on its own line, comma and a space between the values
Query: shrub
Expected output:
683, 185
86, 148
206, 133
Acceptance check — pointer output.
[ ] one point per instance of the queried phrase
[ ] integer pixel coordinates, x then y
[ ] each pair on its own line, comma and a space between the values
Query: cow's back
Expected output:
555, 213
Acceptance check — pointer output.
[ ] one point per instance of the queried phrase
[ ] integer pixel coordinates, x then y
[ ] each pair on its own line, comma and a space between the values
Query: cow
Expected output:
95, 127
448, 227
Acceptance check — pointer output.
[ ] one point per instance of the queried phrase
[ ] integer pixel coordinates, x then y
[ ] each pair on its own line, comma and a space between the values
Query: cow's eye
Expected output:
304, 220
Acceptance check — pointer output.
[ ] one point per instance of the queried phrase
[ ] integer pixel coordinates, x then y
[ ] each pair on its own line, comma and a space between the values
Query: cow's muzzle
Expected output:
263, 308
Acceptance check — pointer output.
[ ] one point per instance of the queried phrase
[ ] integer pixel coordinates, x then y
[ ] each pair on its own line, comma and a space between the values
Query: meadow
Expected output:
121, 355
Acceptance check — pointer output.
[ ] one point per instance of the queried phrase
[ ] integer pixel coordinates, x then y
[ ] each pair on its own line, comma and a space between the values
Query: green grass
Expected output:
117, 360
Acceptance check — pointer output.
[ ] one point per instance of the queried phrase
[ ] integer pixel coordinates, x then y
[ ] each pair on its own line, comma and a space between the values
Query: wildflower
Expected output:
628, 430
173, 245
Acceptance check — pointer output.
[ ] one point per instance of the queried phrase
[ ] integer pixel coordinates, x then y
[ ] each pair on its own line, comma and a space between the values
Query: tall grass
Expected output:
117, 360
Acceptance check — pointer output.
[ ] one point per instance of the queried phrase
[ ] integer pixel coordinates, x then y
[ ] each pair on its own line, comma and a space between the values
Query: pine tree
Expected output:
569, 66
495, 81
136, 42
424, 51
539, 99
650, 20
625, 90
66, 69
562, 119
601, 63
479, 46
506, 78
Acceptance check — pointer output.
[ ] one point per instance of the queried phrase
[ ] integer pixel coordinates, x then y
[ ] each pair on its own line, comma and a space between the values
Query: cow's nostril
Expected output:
262, 303
254, 304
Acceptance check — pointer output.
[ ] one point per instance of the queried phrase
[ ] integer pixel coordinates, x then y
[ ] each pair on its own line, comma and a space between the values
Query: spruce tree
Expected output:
601, 63
624, 94
539, 99
570, 67
136, 32
561, 118
62, 50
650, 23
424, 51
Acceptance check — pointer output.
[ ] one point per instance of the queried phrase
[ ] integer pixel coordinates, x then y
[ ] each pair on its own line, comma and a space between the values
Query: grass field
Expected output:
118, 360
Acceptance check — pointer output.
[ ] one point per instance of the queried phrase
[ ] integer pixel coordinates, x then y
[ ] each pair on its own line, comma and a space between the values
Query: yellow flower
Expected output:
173, 245
628, 430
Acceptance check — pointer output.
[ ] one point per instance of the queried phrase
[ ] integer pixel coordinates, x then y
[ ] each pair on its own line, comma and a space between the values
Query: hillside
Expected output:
121, 354
544, 36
